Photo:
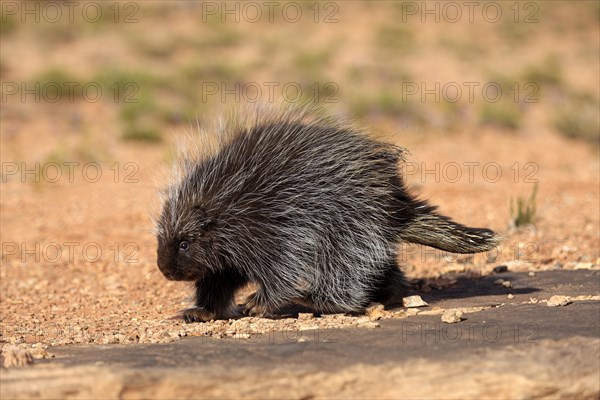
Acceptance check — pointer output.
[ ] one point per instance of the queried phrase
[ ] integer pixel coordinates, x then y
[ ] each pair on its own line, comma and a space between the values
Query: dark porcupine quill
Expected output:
308, 209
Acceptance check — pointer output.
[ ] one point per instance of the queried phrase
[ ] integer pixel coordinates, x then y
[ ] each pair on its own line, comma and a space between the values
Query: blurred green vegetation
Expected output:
8, 24
464, 49
546, 73
141, 134
55, 84
157, 79
394, 38
579, 119
523, 210
503, 114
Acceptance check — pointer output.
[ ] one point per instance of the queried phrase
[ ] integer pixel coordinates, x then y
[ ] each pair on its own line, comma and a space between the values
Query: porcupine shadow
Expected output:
464, 288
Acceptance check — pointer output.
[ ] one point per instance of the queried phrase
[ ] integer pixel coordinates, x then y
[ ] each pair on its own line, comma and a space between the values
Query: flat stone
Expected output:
558, 301
413, 301
452, 316
538, 349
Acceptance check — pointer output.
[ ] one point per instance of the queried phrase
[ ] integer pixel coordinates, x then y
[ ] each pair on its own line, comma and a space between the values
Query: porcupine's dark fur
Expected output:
308, 209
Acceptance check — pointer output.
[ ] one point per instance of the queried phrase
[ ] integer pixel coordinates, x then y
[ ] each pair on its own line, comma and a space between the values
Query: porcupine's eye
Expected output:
184, 246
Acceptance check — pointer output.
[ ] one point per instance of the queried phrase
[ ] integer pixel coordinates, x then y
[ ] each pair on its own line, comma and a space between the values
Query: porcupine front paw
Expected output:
254, 308
197, 314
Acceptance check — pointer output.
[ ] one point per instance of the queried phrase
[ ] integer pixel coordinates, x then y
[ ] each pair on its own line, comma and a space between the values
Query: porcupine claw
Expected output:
196, 314
253, 309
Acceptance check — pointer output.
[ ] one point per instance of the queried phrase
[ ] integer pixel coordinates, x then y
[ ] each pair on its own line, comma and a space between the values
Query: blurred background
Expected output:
498, 103
139, 71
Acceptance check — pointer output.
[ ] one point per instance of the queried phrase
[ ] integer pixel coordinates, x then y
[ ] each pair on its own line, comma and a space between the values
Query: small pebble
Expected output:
411, 312
510, 296
413, 301
308, 327
558, 301
241, 335
16, 357
556, 266
500, 269
531, 273
452, 316
502, 282
375, 312
369, 325
583, 265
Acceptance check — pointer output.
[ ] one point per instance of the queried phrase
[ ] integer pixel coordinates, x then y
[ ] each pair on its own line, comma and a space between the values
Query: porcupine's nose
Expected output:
163, 261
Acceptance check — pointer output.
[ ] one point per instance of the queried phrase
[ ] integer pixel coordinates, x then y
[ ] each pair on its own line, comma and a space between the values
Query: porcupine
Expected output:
309, 209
